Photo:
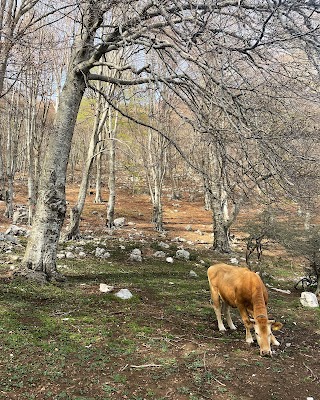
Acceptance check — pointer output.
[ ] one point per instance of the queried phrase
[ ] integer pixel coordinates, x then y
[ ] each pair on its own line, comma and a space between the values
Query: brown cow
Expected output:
244, 289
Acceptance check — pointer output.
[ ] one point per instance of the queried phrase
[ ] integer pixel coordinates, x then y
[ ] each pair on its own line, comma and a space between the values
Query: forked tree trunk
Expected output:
40, 254
73, 229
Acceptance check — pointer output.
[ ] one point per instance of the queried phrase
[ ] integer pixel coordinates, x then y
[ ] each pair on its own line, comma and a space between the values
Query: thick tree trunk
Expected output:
157, 214
50, 211
220, 233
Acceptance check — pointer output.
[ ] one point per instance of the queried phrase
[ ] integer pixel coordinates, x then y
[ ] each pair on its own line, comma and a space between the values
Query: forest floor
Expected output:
71, 341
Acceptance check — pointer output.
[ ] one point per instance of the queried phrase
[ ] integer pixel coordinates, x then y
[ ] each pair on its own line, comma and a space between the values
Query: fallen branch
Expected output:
146, 366
278, 290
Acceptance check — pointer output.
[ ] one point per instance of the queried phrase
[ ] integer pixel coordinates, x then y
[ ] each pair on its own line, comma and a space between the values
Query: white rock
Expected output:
82, 254
104, 288
137, 252
193, 274
99, 251
119, 222
60, 256
159, 254
164, 245
234, 260
136, 255
69, 255
309, 299
169, 260
183, 254
124, 294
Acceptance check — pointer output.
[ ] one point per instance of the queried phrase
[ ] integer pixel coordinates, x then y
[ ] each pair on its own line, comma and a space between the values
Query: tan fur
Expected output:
243, 289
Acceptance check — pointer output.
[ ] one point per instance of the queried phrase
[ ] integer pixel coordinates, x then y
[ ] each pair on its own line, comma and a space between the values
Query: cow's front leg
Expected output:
274, 340
247, 324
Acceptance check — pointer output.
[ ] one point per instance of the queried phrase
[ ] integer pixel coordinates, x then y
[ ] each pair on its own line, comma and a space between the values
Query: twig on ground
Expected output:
146, 366
313, 375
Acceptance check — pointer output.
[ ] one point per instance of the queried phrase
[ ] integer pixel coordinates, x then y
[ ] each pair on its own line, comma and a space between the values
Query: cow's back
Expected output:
235, 284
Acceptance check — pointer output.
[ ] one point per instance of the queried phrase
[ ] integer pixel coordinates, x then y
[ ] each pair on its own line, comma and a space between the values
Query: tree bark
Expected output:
112, 173
50, 211
73, 230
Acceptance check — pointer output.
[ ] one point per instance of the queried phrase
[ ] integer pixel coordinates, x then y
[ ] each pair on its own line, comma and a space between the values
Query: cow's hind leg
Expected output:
228, 316
217, 307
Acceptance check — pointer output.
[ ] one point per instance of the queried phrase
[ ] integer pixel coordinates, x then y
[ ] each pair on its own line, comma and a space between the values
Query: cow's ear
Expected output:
276, 326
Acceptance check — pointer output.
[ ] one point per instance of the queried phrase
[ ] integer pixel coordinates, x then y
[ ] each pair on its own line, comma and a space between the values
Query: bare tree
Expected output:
174, 31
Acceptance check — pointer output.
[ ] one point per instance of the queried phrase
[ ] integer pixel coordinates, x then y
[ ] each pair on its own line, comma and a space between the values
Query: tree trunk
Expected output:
220, 230
112, 179
157, 215
98, 196
73, 230
221, 242
50, 211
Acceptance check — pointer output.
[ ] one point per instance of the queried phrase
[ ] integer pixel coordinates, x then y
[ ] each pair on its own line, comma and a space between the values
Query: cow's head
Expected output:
263, 331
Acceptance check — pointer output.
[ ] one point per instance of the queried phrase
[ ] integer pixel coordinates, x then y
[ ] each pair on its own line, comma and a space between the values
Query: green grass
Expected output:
69, 341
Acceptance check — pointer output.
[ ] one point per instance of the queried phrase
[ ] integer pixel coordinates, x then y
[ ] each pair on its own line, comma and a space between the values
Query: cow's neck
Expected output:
259, 305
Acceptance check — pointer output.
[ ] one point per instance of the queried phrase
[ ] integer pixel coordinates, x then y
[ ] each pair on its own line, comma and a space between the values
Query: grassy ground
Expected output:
69, 341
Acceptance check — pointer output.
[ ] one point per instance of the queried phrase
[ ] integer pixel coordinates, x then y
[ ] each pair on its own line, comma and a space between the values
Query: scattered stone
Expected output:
164, 245
82, 254
122, 247
124, 294
136, 255
69, 255
169, 260
234, 260
183, 254
178, 239
104, 288
20, 216
119, 222
60, 256
309, 299
100, 252
15, 258
193, 274
159, 254
16, 231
